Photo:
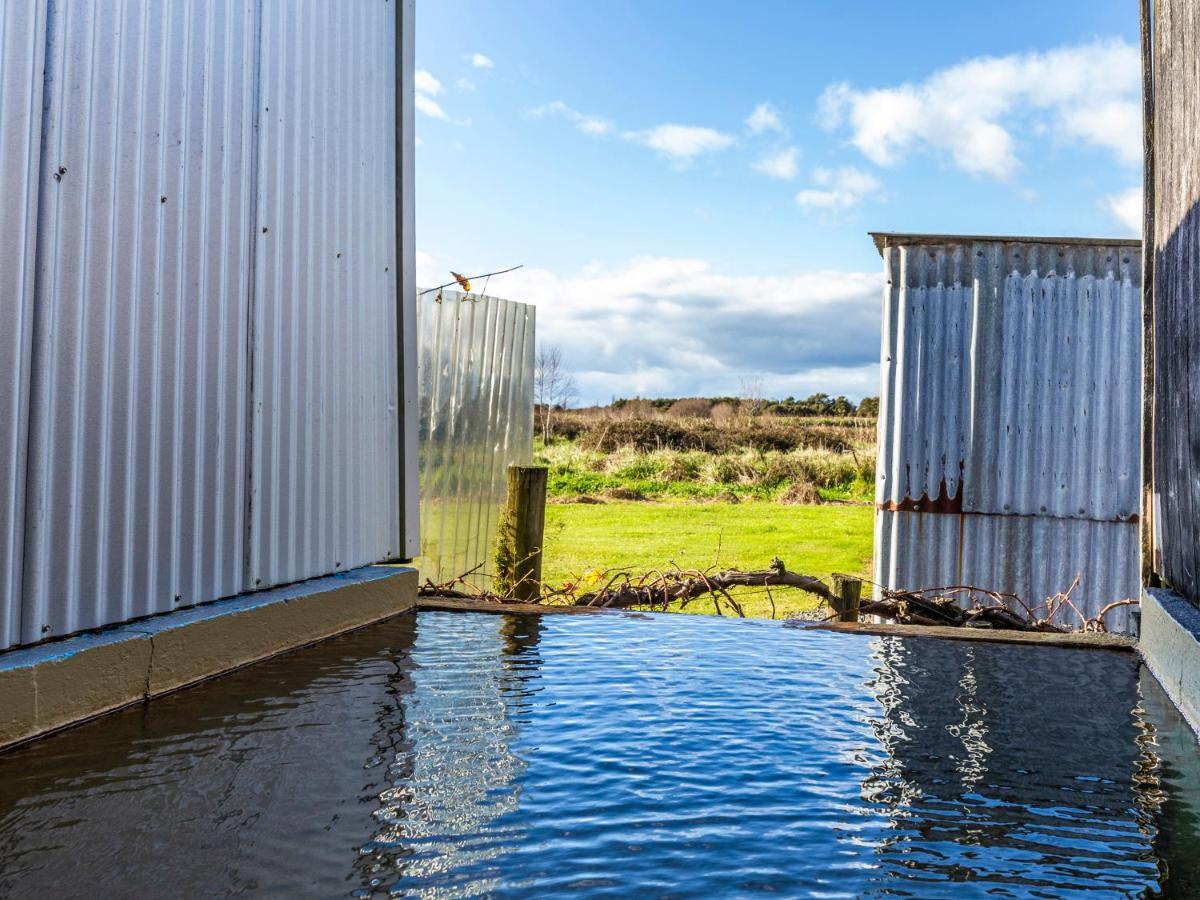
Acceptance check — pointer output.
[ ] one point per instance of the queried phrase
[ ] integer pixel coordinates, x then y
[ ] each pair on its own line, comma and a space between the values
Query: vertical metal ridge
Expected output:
24, 34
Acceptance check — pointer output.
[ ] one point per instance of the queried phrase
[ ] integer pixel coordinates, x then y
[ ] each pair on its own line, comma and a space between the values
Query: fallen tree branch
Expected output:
959, 605
682, 586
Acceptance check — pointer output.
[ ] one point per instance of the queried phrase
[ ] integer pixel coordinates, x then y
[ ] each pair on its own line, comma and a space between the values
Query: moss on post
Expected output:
846, 593
519, 542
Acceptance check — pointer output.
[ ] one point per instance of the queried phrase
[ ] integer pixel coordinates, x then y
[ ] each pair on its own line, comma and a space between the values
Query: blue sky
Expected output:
689, 184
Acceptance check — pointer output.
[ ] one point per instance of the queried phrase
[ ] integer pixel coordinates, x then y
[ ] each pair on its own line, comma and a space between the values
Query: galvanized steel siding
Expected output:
136, 462
1010, 417
200, 267
325, 434
1057, 383
476, 381
22, 50
1176, 245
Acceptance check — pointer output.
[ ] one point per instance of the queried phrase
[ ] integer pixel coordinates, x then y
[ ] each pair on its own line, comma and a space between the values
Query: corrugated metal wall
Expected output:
1010, 415
22, 51
1176, 238
199, 228
476, 381
134, 505
325, 410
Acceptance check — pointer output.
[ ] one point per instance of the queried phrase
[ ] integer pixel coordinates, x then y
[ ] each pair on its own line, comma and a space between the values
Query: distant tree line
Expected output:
814, 405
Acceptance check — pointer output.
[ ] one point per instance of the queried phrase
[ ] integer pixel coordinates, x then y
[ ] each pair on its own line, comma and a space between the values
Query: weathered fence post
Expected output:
846, 593
519, 548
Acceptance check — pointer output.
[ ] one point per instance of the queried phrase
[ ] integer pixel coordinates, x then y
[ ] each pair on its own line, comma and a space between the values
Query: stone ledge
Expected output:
50, 686
1170, 647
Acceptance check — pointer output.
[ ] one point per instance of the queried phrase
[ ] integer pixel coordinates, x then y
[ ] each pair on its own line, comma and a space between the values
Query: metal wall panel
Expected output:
476, 382
1010, 415
1034, 557
22, 51
325, 436
136, 457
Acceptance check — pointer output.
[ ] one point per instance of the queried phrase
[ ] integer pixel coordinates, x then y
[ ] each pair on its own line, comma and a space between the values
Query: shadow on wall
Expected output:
1177, 407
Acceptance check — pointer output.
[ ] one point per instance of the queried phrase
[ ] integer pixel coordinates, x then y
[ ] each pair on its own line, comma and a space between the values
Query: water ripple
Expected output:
453, 755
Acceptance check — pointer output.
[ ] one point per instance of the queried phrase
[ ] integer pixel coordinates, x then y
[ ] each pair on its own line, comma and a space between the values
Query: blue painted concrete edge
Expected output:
56, 651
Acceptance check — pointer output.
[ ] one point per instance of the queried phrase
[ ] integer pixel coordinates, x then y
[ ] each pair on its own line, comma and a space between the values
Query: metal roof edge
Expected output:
884, 239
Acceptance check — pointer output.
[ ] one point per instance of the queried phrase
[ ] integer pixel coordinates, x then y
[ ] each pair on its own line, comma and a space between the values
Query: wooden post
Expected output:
519, 550
846, 592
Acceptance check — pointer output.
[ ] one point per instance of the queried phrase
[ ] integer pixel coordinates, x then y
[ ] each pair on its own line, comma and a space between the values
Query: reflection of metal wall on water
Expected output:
1010, 412
988, 755
476, 384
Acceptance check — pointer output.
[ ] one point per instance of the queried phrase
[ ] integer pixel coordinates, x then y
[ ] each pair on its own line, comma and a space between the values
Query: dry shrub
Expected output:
620, 493
681, 466
690, 408
722, 413
800, 493
636, 409
730, 470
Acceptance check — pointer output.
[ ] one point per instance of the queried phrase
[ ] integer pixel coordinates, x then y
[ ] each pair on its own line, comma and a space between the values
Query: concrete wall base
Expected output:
1170, 646
50, 686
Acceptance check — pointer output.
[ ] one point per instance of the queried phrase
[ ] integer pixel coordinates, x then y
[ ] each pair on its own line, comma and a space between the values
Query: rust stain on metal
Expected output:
944, 502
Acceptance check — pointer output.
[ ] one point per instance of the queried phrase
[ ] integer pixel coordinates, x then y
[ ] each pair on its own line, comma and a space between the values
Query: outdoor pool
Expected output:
449, 754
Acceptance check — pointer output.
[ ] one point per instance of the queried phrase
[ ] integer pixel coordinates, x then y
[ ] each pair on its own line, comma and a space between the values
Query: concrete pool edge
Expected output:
1071, 640
1170, 647
48, 687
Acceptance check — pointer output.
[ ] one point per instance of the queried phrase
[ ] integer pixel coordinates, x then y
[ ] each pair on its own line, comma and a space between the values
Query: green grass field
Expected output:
814, 540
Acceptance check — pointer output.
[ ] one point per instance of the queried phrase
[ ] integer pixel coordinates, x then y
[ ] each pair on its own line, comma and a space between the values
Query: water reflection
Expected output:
251, 782
467, 755
987, 770
455, 774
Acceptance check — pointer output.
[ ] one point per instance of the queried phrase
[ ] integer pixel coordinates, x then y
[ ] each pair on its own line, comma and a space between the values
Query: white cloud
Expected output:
426, 274
1126, 208
479, 61
839, 188
425, 83
680, 143
588, 124
430, 107
426, 87
976, 111
677, 327
764, 118
781, 164
465, 84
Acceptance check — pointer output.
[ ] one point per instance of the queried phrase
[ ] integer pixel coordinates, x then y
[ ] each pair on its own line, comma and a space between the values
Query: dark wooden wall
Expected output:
1176, 237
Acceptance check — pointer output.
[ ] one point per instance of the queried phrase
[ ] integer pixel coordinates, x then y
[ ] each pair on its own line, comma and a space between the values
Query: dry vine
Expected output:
960, 605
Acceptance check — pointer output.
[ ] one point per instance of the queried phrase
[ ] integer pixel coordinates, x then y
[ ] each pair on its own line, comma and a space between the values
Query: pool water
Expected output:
451, 754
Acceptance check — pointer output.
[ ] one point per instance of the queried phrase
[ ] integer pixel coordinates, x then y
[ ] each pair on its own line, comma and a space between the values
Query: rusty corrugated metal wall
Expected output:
476, 376
1010, 414
199, 358
1176, 247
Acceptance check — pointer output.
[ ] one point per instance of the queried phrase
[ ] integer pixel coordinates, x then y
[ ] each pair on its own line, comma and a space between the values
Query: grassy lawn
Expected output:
814, 540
